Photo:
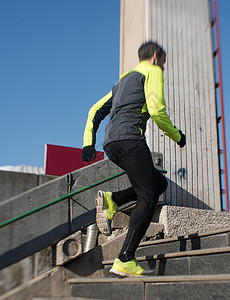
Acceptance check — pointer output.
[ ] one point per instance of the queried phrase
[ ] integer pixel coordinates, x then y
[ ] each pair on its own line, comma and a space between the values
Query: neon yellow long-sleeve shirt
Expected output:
138, 96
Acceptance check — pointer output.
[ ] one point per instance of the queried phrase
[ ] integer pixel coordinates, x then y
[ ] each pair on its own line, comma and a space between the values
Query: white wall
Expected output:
183, 27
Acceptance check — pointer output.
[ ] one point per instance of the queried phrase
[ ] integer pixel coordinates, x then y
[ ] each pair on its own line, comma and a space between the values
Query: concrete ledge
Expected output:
69, 248
120, 220
178, 254
112, 247
184, 254
184, 287
15, 183
154, 232
65, 298
186, 237
62, 298
180, 221
26, 269
186, 278
41, 286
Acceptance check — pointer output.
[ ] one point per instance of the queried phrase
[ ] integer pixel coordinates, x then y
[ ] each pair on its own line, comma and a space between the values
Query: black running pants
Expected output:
147, 183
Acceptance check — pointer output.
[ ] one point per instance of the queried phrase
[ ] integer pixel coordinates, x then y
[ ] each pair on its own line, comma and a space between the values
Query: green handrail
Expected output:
36, 209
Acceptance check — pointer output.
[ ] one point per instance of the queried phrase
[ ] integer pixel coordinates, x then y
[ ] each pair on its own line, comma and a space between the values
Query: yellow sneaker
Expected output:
130, 268
105, 211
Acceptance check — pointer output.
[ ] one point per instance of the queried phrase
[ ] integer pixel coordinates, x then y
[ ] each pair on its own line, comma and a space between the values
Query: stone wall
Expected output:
15, 183
180, 221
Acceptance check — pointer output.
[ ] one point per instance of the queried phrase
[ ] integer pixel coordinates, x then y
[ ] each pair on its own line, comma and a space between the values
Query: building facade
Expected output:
184, 30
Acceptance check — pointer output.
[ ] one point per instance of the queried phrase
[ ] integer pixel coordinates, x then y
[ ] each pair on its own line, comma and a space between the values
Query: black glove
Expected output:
182, 141
88, 153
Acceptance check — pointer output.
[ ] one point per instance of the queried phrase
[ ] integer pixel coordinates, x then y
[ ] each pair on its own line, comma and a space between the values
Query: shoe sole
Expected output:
103, 224
123, 274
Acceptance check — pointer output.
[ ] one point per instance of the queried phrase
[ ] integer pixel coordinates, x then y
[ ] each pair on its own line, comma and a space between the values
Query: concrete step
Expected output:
65, 298
172, 254
159, 287
212, 239
206, 240
194, 262
92, 261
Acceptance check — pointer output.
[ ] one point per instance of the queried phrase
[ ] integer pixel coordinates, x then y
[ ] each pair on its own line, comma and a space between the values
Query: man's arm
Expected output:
154, 93
96, 114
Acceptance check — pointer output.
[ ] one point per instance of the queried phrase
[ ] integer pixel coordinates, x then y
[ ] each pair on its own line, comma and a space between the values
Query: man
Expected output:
138, 96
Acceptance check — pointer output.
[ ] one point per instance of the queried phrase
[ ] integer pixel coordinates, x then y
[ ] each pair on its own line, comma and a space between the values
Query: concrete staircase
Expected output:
195, 266
189, 267
190, 260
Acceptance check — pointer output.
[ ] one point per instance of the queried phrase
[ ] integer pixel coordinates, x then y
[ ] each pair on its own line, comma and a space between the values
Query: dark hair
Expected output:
147, 50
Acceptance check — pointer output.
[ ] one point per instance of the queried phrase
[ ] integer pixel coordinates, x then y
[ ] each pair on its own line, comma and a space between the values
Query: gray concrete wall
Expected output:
132, 32
37, 231
183, 27
26, 269
15, 183
40, 232
181, 221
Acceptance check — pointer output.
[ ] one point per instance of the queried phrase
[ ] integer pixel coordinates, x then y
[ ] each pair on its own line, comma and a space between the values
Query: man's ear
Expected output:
153, 59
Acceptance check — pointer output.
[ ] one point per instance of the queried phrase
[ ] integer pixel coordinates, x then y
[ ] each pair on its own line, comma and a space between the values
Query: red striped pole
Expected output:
217, 33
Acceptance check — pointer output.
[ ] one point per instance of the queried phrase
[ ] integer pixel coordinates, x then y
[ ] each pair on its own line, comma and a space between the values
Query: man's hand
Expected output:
88, 153
182, 141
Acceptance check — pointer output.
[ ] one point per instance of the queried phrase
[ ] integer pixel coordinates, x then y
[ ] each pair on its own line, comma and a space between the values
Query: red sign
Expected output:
60, 160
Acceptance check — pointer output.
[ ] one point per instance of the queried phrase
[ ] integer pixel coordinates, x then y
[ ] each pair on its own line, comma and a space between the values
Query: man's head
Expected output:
153, 52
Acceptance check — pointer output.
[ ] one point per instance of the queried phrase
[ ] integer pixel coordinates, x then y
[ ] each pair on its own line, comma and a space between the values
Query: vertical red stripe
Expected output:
216, 23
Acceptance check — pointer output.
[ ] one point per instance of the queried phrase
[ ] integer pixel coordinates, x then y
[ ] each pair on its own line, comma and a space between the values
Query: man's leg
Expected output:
115, 153
107, 203
135, 158
144, 179
128, 195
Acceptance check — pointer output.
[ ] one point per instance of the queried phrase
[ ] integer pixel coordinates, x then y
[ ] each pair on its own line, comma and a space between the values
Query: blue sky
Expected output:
56, 59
